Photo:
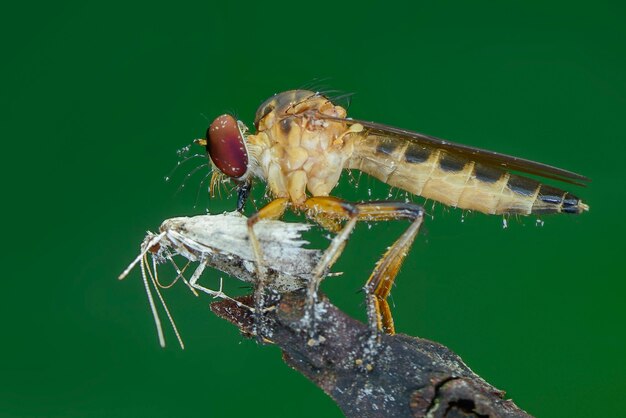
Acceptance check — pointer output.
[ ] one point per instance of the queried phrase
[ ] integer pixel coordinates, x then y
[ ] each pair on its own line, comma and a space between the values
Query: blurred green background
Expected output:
97, 98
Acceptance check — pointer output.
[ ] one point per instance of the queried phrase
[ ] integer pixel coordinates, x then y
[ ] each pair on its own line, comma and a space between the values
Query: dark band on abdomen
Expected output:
522, 185
487, 174
451, 164
416, 154
386, 147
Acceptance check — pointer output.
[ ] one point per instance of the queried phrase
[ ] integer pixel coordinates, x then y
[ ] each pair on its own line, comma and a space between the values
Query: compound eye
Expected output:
226, 146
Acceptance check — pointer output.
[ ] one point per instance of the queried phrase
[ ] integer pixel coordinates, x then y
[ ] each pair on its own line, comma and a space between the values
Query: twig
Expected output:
410, 377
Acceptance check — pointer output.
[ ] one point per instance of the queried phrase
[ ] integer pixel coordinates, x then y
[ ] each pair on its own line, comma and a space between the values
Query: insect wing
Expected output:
375, 131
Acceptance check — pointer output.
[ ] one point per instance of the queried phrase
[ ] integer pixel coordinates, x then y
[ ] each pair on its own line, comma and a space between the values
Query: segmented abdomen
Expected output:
456, 181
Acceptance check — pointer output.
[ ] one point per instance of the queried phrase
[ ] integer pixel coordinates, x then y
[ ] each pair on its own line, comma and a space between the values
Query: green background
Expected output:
97, 98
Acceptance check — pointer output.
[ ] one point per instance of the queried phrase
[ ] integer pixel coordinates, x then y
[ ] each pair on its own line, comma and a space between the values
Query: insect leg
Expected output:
328, 211
273, 210
381, 280
193, 282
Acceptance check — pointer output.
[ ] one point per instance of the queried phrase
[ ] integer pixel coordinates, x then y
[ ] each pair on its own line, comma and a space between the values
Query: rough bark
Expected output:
406, 377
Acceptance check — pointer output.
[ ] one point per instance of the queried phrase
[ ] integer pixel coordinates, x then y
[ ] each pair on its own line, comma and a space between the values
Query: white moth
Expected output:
221, 242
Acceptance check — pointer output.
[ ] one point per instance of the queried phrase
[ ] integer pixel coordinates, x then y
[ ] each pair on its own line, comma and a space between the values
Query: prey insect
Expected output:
304, 141
221, 242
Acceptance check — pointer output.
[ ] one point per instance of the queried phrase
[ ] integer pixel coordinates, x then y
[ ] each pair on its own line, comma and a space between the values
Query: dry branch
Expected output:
411, 377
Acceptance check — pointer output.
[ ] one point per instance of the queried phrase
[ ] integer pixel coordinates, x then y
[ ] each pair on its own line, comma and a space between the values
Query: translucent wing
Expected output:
486, 157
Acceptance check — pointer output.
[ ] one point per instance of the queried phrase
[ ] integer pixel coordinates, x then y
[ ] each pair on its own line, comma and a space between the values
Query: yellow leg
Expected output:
329, 211
382, 278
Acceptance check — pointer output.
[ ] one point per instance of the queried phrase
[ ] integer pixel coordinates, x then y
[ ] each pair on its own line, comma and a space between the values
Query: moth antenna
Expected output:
155, 314
144, 249
167, 312
180, 272
173, 282
191, 173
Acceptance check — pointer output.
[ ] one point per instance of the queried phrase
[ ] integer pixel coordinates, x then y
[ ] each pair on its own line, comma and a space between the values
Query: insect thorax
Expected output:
299, 152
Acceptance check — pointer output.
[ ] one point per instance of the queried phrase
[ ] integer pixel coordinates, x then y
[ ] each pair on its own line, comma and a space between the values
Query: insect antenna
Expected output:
167, 312
145, 247
179, 273
155, 314
167, 286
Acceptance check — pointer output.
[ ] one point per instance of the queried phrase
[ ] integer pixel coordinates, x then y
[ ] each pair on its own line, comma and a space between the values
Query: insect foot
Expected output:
261, 325
371, 345
312, 312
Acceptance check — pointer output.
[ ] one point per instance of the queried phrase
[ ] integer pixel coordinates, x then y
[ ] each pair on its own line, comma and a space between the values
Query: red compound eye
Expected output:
226, 146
